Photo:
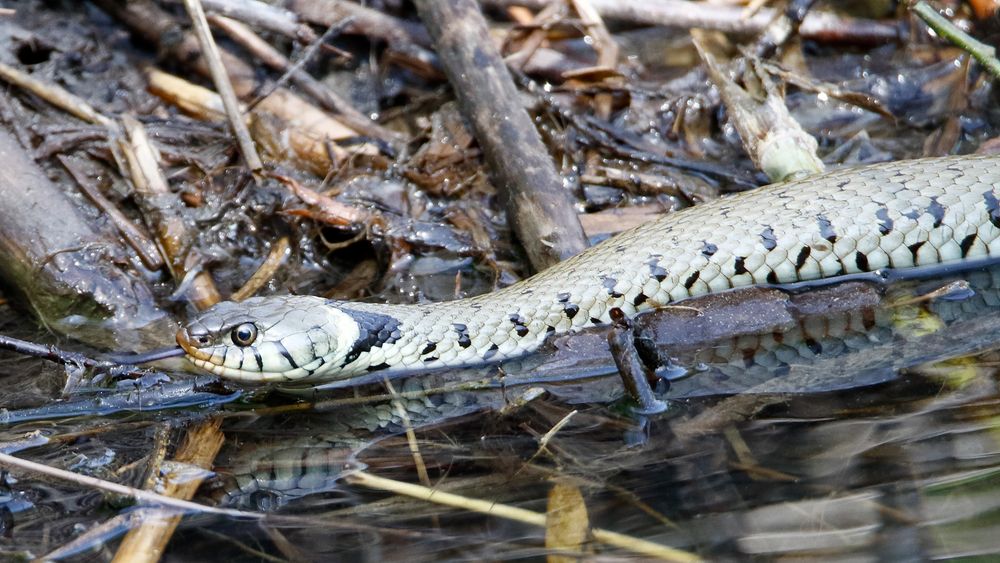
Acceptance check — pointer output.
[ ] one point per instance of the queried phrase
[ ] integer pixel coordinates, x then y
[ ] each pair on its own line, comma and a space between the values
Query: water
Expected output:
864, 432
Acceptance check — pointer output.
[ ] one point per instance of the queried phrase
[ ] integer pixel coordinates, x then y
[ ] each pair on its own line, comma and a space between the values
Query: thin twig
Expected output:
191, 464
10, 462
222, 85
329, 99
93, 536
635, 545
985, 54
275, 258
290, 69
819, 25
133, 235
54, 95
50, 352
264, 16
151, 191
411, 436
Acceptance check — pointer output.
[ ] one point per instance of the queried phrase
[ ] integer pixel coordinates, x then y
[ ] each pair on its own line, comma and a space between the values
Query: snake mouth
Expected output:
203, 359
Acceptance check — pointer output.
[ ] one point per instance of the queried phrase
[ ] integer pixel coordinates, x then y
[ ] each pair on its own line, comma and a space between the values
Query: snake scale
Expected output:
893, 215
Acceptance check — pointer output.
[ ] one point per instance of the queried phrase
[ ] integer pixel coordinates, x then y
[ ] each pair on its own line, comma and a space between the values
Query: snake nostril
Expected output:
196, 338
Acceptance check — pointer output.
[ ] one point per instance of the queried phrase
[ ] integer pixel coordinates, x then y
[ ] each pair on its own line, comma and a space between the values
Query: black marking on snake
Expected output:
595, 320
993, 206
519, 324
768, 239
658, 273
914, 248
260, 361
800, 260
814, 346
313, 352
375, 330
772, 277
550, 328
739, 266
609, 284
431, 359
383, 365
571, 309
689, 283
843, 183
966, 244
284, 353
430, 347
708, 249
936, 210
826, 229
311, 371
563, 297
912, 214
655, 270
885, 222
491, 352
463, 335
861, 261
639, 299
620, 248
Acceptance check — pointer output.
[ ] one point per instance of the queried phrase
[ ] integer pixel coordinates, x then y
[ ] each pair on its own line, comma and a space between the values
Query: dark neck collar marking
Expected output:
375, 331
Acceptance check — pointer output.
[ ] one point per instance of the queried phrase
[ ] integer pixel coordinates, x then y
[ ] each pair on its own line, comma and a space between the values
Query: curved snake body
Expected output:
894, 215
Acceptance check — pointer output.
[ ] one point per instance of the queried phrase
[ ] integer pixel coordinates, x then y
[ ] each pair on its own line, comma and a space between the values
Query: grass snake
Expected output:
895, 215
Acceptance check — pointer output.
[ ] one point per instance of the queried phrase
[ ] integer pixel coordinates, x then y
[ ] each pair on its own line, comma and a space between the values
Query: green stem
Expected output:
985, 54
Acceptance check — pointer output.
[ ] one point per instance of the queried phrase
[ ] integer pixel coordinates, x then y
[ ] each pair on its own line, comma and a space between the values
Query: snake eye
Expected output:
244, 335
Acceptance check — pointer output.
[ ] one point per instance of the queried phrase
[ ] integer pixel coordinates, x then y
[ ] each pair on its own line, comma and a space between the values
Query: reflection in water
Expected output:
863, 426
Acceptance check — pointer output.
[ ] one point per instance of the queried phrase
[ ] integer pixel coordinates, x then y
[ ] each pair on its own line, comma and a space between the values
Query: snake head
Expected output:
265, 339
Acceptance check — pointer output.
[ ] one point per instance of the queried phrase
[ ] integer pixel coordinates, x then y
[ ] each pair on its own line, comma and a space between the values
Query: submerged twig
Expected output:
411, 436
11, 462
633, 544
51, 353
190, 466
